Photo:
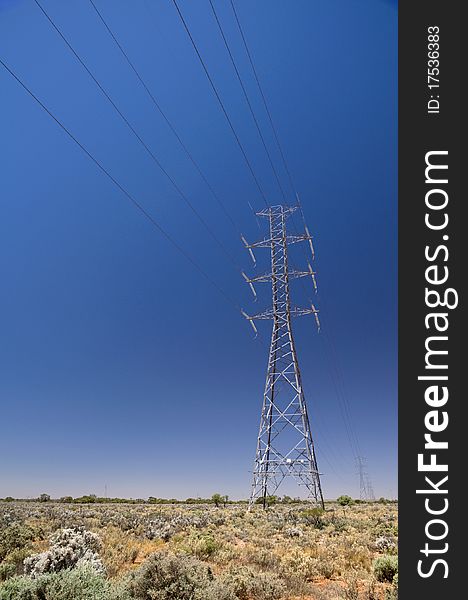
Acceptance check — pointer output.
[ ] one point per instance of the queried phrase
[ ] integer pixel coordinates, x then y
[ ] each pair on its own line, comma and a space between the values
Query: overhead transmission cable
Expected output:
264, 144
351, 436
260, 133
223, 108
154, 100
341, 393
265, 103
174, 131
339, 387
126, 193
247, 99
140, 139
267, 111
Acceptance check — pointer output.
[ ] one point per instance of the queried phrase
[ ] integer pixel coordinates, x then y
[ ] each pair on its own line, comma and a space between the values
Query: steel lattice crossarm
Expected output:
288, 239
267, 277
293, 312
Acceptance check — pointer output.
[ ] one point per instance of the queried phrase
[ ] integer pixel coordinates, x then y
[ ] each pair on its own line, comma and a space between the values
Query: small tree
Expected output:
345, 501
44, 498
217, 499
267, 501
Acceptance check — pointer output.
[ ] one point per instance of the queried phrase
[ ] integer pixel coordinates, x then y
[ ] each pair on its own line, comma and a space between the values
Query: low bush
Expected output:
385, 567
247, 584
7, 570
74, 547
170, 577
15, 537
202, 545
76, 584
386, 544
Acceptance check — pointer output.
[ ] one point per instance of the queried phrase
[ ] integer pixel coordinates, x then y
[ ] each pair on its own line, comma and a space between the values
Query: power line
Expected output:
344, 405
218, 97
339, 388
333, 366
140, 139
334, 369
127, 194
352, 438
337, 380
265, 103
246, 96
165, 117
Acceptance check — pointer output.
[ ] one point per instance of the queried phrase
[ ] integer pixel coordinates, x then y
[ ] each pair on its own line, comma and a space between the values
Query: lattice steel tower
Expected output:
285, 446
366, 491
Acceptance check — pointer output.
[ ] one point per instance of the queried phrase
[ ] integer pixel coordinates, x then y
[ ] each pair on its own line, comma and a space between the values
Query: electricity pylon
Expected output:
284, 446
366, 491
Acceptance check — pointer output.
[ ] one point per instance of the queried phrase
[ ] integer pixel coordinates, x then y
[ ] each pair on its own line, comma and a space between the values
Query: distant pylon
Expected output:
284, 445
366, 491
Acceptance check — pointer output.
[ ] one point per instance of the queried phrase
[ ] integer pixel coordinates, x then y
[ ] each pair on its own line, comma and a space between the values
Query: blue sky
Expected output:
121, 366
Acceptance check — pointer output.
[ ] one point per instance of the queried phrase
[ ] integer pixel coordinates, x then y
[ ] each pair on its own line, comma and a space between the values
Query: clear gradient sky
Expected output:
120, 365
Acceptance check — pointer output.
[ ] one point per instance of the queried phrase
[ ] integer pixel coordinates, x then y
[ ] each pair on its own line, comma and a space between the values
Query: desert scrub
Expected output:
299, 567
69, 548
15, 536
386, 544
202, 545
263, 558
7, 570
222, 539
247, 584
170, 577
121, 551
313, 517
77, 584
385, 567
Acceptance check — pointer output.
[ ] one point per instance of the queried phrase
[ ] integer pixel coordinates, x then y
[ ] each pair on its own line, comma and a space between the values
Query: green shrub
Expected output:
76, 584
15, 537
18, 588
247, 584
345, 501
202, 545
170, 577
313, 516
385, 567
80, 584
269, 500
7, 570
